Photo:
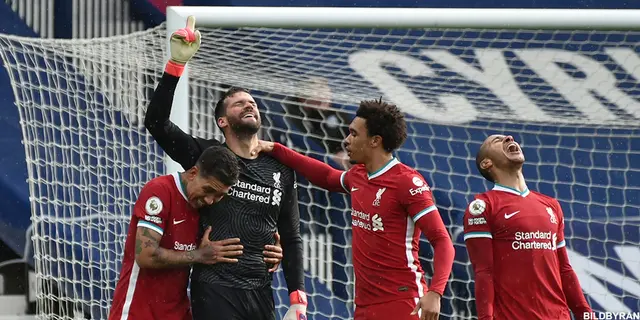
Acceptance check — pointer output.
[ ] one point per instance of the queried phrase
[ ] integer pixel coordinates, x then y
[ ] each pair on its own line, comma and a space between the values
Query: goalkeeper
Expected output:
263, 201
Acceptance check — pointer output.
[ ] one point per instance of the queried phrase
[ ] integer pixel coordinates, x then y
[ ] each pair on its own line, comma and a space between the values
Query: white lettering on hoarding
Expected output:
495, 75
369, 64
584, 94
592, 276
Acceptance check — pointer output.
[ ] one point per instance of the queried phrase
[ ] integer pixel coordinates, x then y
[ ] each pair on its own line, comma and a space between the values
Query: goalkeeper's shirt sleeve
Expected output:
289, 229
317, 172
180, 146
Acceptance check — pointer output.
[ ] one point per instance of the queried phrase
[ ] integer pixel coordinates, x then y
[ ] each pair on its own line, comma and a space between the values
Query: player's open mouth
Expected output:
248, 115
513, 148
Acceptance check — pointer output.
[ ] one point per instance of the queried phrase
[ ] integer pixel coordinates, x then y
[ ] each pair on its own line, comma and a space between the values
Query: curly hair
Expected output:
384, 120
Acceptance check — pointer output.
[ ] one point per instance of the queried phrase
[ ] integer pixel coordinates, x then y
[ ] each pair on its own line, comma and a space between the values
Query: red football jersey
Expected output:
526, 230
157, 293
385, 207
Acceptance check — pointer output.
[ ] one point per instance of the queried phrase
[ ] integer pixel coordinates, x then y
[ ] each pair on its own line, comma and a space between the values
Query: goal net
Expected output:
570, 98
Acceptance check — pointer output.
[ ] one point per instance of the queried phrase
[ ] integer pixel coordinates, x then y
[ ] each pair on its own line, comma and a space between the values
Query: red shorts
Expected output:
392, 310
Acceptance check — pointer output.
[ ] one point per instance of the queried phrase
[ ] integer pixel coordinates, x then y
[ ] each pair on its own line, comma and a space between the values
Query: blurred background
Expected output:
586, 153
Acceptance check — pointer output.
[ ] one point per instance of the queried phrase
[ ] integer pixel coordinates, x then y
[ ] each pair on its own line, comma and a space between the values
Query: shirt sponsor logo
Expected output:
257, 193
536, 240
365, 221
420, 190
376, 222
421, 186
183, 247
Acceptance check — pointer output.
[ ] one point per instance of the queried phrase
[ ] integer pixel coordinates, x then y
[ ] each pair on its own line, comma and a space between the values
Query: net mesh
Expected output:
570, 98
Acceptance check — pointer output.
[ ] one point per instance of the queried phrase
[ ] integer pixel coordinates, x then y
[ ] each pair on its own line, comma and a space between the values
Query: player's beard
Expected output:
244, 128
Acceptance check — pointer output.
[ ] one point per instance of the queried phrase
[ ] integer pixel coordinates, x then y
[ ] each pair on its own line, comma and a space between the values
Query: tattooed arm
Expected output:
149, 254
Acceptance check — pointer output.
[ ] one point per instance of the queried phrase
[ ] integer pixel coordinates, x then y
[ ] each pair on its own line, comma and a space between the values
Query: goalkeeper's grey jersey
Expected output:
264, 195
262, 202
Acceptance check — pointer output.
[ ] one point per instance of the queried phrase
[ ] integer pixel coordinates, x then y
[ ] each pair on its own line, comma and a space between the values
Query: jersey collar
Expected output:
179, 185
499, 187
384, 169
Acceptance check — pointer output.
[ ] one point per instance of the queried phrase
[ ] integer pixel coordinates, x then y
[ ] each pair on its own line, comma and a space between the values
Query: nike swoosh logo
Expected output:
178, 222
507, 216
354, 189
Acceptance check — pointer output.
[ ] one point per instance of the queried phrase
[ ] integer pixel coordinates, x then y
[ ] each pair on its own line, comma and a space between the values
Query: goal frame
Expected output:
436, 18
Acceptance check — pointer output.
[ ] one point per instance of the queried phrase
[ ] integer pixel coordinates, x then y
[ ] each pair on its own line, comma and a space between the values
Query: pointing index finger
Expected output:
191, 22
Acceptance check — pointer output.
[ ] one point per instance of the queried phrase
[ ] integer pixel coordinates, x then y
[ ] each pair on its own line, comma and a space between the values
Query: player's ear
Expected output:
486, 164
375, 141
222, 122
192, 173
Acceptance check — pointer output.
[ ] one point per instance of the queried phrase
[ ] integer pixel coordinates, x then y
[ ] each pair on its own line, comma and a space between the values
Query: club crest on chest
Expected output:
552, 215
376, 202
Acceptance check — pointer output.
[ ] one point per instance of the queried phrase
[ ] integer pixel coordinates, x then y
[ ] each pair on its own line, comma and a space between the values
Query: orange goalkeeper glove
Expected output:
183, 46
298, 308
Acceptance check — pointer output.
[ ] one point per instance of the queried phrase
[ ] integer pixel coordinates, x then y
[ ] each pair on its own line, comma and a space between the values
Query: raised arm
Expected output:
479, 241
180, 146
570, 283
317, 172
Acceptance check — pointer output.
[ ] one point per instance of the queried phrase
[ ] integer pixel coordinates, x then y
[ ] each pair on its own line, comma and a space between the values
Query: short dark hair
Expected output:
220, 107
481, 155
384, 120
219, 162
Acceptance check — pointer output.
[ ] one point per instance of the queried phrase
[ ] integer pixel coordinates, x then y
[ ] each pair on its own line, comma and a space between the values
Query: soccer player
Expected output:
515, 240
162, 239
263, 202
391, 204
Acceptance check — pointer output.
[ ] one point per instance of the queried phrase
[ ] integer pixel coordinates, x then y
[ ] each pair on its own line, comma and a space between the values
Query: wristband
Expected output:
298, 297
174, 69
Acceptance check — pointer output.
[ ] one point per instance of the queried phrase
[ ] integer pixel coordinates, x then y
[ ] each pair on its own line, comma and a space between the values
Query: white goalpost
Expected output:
563, 82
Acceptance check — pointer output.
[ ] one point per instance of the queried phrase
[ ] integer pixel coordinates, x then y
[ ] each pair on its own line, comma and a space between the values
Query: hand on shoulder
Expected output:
263, 146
